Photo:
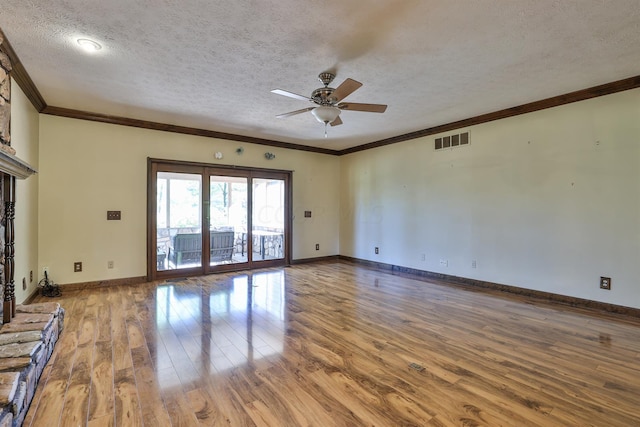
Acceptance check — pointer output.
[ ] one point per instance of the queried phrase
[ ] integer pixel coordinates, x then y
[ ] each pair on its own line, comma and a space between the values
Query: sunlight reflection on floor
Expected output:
208, 328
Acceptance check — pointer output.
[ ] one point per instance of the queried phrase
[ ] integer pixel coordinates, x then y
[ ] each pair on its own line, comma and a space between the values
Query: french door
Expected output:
207, 218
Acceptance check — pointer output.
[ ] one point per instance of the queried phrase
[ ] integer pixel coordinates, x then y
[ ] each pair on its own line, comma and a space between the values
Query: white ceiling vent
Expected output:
452, 141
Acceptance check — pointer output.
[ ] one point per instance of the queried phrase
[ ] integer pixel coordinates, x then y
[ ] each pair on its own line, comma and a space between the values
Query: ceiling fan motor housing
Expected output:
322, 96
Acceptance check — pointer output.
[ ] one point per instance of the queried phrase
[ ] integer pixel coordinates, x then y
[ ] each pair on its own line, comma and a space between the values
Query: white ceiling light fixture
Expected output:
325, 114
89, 45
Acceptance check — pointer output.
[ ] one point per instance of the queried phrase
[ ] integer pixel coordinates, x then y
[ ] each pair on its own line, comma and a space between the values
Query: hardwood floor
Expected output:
331, 344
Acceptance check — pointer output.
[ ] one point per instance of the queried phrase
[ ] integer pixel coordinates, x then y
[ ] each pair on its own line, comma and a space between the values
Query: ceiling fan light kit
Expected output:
325, 114
329, 102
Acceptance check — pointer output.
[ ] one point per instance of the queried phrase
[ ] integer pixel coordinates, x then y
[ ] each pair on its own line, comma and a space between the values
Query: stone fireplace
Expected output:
5, 141
28, 333
11, 168
5, 98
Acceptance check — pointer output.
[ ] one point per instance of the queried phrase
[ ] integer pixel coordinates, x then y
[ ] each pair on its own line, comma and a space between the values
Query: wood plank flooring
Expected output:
330, 344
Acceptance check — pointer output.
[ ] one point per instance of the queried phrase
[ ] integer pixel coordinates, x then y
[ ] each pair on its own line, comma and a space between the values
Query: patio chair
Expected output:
185, 249
221, 245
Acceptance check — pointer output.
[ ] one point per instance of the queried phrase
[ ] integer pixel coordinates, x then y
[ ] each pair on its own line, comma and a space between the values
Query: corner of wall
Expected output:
25, 139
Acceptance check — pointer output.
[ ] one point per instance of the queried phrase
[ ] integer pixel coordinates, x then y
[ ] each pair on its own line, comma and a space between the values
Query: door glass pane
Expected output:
228, 220
268, 219
179, 222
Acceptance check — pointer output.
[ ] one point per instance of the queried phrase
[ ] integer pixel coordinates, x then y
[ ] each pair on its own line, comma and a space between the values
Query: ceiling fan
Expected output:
329, 101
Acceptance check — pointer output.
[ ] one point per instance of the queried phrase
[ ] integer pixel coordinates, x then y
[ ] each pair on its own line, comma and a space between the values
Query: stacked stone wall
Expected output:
5, 97
26, 345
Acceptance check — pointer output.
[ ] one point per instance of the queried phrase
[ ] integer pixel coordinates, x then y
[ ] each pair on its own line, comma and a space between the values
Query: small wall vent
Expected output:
452, 141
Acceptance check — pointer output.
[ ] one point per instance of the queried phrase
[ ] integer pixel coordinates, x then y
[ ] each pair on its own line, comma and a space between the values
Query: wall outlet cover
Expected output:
114, 215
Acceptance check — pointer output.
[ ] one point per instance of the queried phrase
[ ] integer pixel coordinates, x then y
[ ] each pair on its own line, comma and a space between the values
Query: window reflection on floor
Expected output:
207, 327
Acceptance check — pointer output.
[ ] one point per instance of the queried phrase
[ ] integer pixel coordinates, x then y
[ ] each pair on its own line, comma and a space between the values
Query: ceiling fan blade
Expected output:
345, 89
370, 108
336, 122
293, 113
290, 94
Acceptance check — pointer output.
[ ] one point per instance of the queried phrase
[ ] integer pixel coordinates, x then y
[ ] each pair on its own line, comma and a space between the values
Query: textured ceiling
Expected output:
212, 65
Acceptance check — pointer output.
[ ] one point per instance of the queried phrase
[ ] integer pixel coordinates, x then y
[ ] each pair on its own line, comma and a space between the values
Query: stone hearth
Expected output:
26, 345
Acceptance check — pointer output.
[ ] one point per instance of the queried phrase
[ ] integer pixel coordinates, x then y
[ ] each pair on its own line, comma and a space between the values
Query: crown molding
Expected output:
123, 121
23, 79
20, 75
568, 98
580, 95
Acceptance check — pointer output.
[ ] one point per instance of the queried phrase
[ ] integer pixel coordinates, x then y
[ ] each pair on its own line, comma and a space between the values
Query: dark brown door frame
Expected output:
206, 170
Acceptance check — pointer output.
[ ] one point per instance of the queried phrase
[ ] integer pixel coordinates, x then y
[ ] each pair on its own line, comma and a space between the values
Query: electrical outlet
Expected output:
473, 264
31, 276
109, 264
377, 250
45, 270
24, 283
317, 246
423, 257
77, 267
444, 263
605, 283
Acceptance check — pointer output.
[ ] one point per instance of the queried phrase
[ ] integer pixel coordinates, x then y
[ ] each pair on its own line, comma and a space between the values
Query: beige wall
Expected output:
547, 201
87, 168
24, 138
